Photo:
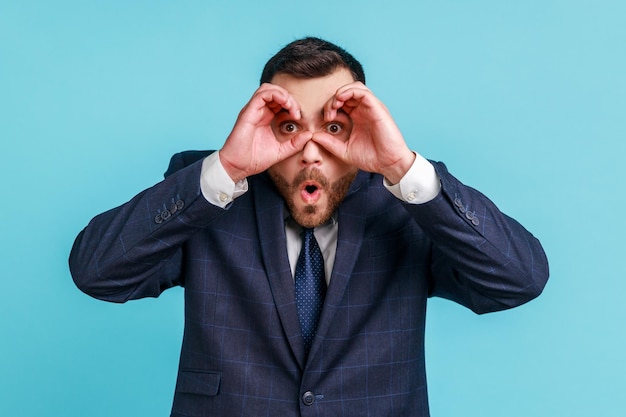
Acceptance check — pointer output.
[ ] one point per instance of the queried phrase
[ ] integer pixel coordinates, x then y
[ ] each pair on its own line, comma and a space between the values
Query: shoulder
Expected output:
182, 159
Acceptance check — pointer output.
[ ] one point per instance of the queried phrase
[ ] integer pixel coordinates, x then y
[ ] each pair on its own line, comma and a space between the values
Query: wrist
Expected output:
396, 171
236, 174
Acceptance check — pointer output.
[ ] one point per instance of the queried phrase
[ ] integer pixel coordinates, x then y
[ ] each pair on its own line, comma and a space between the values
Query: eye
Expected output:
288, 127
334, 128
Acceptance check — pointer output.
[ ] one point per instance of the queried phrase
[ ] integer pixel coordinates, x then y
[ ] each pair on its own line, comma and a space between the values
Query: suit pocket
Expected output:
198, 382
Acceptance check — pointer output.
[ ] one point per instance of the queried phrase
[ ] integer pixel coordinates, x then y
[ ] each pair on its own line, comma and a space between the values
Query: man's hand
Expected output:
375, 143
252, 147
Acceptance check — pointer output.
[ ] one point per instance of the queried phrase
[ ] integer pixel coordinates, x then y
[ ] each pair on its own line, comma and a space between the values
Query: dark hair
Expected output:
311, 58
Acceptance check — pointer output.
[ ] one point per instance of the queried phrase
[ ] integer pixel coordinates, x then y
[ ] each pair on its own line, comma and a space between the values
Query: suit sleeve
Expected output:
134, 250
481, 258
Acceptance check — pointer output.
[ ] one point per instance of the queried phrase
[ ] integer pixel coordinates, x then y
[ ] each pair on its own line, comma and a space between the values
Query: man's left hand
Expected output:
375, 143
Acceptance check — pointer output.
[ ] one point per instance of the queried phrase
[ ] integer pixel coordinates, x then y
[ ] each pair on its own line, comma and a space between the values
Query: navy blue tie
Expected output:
310, 287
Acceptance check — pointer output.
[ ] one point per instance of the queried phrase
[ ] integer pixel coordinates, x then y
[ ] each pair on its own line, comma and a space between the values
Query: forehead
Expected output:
313, 92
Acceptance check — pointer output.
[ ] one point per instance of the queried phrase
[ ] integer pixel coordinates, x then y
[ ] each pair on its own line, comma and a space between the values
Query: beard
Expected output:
312, 215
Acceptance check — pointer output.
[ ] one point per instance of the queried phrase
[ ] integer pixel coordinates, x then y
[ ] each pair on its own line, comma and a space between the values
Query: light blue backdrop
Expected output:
523, 100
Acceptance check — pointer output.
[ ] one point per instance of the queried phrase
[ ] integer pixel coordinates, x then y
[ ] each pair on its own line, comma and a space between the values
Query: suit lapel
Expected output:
351, 220
271, 228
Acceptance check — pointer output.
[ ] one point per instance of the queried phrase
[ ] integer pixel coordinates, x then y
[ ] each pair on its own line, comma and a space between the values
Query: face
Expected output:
313, 182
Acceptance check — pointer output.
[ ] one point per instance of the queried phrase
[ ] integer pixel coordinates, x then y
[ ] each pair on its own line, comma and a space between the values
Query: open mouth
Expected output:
310, 192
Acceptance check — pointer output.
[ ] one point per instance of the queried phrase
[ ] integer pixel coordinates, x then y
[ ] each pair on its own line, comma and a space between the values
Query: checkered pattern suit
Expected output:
242, 352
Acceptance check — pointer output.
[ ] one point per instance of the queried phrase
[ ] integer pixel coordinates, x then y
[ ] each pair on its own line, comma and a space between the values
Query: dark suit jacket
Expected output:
242, 352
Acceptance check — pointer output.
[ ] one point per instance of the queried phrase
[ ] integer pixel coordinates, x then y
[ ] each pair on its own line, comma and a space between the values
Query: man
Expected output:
313, 153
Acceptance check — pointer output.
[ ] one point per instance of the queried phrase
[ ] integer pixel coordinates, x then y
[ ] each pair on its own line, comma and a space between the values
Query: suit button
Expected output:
308, 398
165, 214
158, 219
180, 204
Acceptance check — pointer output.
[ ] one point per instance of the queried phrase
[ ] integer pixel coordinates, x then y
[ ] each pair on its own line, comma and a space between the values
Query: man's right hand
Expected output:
252, 147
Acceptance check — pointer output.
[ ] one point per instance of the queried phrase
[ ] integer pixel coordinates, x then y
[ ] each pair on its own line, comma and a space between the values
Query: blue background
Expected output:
523, 100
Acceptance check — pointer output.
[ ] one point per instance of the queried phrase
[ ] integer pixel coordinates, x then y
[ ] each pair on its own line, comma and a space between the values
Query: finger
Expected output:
346, 98
277, 98
293, 145
355, 95
333, 145
357, 85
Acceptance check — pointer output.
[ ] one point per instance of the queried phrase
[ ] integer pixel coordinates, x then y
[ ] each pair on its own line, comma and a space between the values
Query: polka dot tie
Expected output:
310, 287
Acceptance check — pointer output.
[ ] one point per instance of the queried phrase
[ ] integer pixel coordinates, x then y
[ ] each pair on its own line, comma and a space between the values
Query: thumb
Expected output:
333, 145
294, 145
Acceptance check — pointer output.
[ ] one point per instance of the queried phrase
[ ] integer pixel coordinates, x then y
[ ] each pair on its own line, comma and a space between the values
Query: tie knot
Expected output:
307, 233
308, 239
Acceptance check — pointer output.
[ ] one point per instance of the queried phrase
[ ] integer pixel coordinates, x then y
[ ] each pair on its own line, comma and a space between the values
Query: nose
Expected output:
311, 154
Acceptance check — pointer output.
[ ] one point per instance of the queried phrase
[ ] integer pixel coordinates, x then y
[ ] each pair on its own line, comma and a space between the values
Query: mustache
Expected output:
310, 174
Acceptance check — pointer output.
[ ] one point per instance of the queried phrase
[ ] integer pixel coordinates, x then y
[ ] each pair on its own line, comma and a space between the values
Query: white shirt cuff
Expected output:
419, 185
216, 185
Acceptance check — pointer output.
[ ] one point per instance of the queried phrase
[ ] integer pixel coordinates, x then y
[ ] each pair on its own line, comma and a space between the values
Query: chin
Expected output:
310, 216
